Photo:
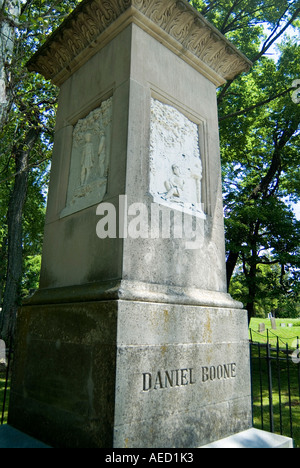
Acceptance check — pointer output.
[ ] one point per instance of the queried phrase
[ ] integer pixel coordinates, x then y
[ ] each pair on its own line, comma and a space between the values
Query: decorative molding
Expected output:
92, 23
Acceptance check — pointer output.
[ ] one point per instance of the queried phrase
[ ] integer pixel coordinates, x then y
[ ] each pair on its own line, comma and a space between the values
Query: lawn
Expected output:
2, 394
286, 404
286, 335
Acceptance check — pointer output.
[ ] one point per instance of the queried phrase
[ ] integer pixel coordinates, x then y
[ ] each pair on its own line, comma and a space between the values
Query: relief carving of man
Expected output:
197, 176
175, 185
102, 154
88, 159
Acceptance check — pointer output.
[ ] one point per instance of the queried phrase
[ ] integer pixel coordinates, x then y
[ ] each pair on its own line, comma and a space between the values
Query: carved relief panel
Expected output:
176, 170
89, 159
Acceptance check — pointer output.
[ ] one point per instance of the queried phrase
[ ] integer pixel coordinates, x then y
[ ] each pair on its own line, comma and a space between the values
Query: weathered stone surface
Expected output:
64, 379
131, 374
121, 71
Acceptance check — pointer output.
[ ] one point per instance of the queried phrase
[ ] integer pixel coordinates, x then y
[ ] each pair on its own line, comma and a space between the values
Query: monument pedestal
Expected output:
132, 340
131, 373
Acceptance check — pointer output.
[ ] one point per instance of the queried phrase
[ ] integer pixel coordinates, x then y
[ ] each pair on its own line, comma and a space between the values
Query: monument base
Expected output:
253, 438
124, 373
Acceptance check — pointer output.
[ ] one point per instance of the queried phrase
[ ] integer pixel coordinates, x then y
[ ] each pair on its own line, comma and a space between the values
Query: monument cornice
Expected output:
175, 23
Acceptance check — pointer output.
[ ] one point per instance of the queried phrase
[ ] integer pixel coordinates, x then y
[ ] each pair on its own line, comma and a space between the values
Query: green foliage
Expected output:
31, 104
259, 128
269, 294
30, 281
261, 225
260, 138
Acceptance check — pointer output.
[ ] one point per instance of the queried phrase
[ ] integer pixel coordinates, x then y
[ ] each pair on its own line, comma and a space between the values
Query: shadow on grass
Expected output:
285, 385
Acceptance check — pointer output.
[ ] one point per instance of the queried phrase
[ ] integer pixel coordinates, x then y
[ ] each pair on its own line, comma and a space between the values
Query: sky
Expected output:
297, 211
274, 53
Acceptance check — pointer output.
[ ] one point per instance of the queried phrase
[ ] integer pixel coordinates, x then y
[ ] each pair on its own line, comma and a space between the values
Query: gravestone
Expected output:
132, 339
273, 323
261, 328
3, 361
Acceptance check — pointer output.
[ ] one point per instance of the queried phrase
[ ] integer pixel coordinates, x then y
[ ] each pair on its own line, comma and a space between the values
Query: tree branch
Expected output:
269, 42
230, 11
29, 166
264, 49
275, 167
209, 7
255, 106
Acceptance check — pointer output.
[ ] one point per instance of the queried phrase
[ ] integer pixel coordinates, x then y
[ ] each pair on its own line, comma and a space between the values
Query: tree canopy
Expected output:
259, 127
27, 116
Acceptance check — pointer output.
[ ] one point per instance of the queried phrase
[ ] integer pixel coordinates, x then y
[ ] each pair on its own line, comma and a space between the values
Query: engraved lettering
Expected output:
226, 371
205, 375
177, 378
184, 377
147, 382
192, 381
158, 381
212, 373
220, 372
169, 379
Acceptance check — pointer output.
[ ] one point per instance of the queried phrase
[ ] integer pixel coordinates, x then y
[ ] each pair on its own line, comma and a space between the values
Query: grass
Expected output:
285, 406
286, 335
282, 409
2, 393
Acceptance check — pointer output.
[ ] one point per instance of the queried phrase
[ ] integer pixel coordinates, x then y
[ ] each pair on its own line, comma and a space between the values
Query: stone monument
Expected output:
132, 339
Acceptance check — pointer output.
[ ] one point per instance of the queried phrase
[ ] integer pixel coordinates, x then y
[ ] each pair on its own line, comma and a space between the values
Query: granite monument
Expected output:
131, 339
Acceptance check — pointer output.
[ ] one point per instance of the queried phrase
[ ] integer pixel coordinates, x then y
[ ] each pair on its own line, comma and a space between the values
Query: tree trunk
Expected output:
11, 298
251, 282
252, 272
3, 258
231, 262
9, 16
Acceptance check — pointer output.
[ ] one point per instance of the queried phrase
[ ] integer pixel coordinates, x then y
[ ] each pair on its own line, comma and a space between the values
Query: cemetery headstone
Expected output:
3, 361
262, 327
